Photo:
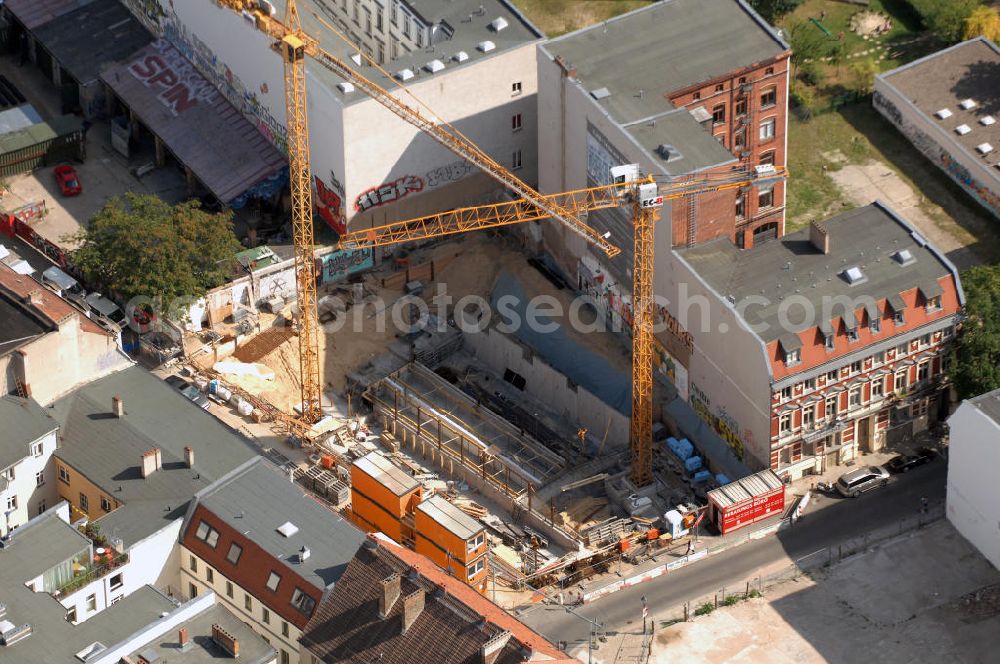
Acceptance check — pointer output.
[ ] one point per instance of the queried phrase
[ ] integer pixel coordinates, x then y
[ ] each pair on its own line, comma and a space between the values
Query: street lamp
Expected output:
594, 626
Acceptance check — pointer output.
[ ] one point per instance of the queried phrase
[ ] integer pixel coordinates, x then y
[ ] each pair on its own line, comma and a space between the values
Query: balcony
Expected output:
102, 559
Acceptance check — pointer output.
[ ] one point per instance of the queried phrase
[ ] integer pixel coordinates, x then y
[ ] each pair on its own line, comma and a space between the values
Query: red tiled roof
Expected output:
454, 625
49, 305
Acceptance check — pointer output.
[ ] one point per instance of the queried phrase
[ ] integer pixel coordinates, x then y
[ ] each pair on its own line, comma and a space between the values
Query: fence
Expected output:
823, 557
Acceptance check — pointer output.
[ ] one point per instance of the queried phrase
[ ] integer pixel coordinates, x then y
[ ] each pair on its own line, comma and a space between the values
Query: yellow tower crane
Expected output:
646, 197
294, 44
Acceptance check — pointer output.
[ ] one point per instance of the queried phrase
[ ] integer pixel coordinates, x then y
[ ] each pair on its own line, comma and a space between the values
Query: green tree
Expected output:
977, 349
983, 22
863, 73
807, 42
142, 246
772, 10
945, 19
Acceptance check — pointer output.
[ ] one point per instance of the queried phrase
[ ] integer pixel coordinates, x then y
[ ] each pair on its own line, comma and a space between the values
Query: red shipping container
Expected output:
747, 501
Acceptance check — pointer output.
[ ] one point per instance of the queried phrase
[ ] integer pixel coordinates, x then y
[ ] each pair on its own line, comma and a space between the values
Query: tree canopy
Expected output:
945, 19
772, 10
977, 349
143, 246
983, 22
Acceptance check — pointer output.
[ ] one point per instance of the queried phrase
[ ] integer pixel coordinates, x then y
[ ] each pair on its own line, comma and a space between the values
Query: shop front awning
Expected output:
194, 120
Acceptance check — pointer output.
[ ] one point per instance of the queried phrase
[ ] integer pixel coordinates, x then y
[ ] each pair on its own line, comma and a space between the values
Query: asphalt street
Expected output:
828, 522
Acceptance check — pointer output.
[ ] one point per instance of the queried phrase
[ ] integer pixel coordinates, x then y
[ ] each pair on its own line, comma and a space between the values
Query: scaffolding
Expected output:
445, 424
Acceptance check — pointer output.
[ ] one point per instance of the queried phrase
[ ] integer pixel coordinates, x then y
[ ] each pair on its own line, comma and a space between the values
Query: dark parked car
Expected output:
904, 462
188, 390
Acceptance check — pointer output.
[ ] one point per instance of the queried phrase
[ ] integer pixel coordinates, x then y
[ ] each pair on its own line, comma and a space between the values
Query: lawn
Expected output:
557, 17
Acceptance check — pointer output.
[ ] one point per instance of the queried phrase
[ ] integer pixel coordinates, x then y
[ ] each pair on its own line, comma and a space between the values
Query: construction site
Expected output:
518, 449
531, 447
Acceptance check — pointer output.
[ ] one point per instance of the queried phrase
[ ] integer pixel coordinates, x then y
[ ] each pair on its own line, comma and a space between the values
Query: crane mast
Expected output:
293, 52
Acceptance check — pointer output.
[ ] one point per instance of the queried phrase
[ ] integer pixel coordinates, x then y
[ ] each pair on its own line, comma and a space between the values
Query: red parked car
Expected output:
69, 182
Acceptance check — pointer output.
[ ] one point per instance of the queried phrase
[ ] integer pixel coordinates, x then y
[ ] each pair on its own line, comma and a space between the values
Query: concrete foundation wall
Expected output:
499, 352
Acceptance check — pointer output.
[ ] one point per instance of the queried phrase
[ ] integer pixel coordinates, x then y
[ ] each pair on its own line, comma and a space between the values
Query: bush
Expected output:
753, 594
803, 98
983, 22
732, 599
945, 19
704, 609
812, 73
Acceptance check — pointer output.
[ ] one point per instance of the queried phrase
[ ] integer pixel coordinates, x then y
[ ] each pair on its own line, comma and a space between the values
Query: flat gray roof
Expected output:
943, 80
37, 546
18, 324
253, 648
24, 422
257, 499
989, 404
108, 450
86, 38
665, 47
866, 238
450, 517
697, 148
386, 473
469, 19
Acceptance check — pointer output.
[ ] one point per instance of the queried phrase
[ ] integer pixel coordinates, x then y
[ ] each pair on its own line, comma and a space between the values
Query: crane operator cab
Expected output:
648, 193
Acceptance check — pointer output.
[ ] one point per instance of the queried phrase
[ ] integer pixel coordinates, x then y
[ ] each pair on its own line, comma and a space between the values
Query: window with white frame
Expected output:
879, 358
831, 406
767, 129
934, 303
924, 371
207, 534
476, 567
37, 449
515, 88
828, 341
855, 367
785, 423
792, 357
854, 397
898, 318
765, 196
769, 97
786, 393
878, 388
852, 334
474, 543
515, 162
831, 376
900, 380
303, 602
875, 324
11, 503
515, 122
809, 415
40, 478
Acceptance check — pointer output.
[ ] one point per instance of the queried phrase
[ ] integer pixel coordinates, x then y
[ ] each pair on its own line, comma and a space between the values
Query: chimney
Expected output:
189, 457
148, 465
304, 554
158, 457
226, 641
413, 606
182, 636
491, 649
118, 406
35, 298
819, 238
390, 593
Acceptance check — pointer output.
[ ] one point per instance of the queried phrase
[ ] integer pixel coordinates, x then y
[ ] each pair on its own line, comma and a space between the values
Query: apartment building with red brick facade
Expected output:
831, 342
684, 89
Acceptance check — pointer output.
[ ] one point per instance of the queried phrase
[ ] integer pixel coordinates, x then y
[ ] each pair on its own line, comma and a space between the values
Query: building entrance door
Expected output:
864, 434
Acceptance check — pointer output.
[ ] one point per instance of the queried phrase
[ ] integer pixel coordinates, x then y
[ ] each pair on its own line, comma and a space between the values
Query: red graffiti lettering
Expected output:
179, 97
328, 206
153, 64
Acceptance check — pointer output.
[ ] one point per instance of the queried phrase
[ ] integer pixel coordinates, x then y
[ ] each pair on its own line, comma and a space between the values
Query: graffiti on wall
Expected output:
448, 173
338, 265
179, 86
164, 22
328, 205
720, 421
933, 151
389, 192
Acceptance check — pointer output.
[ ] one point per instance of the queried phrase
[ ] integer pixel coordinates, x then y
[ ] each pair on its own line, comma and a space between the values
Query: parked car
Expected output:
188, 390
904, 462
856, 482
102, 307
68, 180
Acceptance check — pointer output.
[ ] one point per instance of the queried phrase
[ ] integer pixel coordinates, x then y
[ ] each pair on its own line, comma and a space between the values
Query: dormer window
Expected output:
852, 334
792, 357
791, 347
828, 341
875, 324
